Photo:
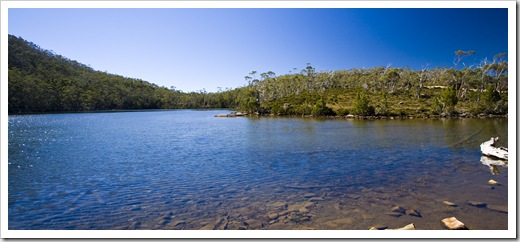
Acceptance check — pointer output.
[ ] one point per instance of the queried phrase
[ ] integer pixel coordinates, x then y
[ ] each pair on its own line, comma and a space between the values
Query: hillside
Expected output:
42, 81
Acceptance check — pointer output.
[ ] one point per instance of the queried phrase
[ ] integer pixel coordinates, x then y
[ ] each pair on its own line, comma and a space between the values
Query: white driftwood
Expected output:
489, 149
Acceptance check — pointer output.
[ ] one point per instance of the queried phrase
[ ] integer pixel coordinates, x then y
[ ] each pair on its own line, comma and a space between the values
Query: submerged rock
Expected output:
476, 204
297, 206
280, 204
398, 209
303, 210
413, 212
453, 223
273, 216
448, 203
309, 204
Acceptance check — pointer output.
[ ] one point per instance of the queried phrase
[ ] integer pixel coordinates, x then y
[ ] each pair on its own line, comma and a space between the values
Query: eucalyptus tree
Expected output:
310, 72
483, 66
389, 79
460, 55
423, 77
498, 70
465, 78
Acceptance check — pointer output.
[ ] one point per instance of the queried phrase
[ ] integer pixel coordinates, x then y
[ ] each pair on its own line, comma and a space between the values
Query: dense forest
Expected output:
43, 81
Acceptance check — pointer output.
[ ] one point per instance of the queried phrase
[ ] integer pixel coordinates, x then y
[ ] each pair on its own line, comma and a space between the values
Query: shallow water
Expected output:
186, 169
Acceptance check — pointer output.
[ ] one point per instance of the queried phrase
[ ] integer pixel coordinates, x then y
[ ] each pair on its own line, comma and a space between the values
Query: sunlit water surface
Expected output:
189, 170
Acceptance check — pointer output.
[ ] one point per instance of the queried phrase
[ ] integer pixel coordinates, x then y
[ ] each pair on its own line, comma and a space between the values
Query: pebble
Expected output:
309, 204
273, 216
452, 223
303, 210
413, 212
476, 204
279, 204
283, 213
493, 182
447, 203
398, 209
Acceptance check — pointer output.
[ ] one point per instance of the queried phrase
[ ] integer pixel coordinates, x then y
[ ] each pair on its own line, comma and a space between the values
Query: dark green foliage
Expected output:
41, 81
491, 95
494, 103
321, 109
444, 103
449, 97
362, 105
250, 103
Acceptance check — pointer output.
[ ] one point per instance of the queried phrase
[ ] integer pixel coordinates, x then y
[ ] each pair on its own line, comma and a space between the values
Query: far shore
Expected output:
350, 116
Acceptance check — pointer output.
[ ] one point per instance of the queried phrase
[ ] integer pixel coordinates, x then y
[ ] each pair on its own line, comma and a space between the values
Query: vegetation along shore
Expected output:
43, 81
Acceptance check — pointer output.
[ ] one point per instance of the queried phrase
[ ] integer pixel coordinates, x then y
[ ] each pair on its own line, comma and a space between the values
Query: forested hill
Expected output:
42, 81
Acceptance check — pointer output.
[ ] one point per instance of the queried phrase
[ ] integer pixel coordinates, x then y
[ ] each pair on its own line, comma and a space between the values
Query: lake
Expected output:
186, 169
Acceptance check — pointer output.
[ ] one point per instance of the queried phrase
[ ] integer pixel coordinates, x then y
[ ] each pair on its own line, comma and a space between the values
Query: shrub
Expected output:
321, 109
491, 96
362, 105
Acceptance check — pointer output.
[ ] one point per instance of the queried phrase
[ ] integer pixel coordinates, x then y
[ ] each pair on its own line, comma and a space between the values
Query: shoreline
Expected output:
349, 116
359, 117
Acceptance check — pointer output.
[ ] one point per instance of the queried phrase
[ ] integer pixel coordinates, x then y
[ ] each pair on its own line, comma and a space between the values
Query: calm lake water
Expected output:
186, 169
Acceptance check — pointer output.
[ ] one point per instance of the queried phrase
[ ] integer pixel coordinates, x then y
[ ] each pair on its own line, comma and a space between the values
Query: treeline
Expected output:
383, 91
42, 81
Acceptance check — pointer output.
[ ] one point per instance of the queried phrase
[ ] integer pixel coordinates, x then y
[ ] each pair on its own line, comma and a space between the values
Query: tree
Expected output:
423, 76
389, 79
459, 79
444, 104
484, 67
491, 95
497, 69
321, 109
362, 105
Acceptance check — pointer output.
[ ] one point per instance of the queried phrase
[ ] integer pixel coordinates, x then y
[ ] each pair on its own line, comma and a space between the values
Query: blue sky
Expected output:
193, 49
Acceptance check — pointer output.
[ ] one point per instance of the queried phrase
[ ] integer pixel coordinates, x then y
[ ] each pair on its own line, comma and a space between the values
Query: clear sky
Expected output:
193, 49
